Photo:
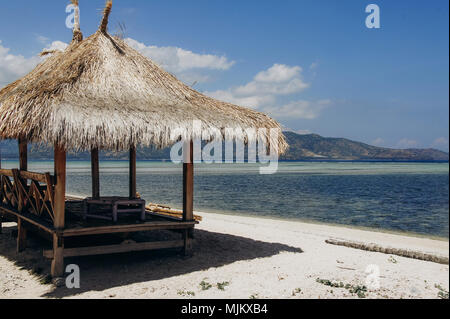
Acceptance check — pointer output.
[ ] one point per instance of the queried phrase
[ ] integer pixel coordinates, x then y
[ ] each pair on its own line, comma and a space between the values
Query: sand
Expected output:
250, 257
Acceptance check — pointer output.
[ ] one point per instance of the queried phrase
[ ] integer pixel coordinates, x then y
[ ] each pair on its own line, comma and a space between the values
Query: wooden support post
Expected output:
23, 154
95, 172
21, 236
57, 269
132, 172
188, 194
188, 181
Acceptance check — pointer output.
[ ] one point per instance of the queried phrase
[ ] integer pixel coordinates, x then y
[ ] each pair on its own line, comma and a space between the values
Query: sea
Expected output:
401, 197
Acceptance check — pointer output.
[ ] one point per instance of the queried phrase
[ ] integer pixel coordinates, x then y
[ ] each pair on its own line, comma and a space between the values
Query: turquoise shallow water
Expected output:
411, 197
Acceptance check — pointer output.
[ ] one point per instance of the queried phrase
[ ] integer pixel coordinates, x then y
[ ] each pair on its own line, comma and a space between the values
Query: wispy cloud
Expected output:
278, 80
441, 143
41, 39
263, 92
407, 143
378, 142
302, 109
14, 66
174, 59
188, 66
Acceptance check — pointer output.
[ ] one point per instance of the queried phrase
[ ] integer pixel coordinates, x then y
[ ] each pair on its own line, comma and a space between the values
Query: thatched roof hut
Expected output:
101, 93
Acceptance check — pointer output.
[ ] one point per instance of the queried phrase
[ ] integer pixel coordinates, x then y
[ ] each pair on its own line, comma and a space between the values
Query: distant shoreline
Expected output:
281, 161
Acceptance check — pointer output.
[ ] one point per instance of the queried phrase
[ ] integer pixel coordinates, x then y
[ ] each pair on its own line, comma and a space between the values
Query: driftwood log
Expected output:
391, 251
165, 210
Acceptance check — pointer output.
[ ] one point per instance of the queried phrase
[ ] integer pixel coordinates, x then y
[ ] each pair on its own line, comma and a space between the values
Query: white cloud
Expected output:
441, 142
314, 65
42, 39
278, 80
177, 60
378, 142
13, 66
262, 93
57, 45
302, 109
407, 143
254, 101
278, 73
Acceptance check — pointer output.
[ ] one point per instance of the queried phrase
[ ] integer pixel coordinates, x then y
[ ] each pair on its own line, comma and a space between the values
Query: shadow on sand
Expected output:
99, 273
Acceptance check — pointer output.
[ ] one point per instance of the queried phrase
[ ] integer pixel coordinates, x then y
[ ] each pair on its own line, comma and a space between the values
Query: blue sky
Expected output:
312, 65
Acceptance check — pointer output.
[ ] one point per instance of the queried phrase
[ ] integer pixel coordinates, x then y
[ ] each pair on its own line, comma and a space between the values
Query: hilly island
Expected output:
301, 147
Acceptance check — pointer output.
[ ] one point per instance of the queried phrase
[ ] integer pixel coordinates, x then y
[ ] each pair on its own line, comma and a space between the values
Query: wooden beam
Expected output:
188, 182
39, 177
57, 268
23, 154
29, 218
72, 232
21, 236
95, 172
113, 249
132, 172
188, 194
60, 187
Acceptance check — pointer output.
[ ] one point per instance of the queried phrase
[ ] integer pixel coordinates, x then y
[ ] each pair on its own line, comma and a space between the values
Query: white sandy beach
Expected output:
258, 258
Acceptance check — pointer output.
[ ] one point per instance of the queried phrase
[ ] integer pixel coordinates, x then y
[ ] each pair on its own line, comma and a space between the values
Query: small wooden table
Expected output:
132, 206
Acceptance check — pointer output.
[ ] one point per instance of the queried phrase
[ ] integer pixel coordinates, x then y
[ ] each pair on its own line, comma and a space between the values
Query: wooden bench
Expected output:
115, 203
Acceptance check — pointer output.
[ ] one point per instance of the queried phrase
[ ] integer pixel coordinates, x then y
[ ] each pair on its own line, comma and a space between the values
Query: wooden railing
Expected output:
28, 192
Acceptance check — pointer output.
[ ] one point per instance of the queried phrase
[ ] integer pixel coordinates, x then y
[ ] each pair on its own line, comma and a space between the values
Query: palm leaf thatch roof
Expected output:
102, 93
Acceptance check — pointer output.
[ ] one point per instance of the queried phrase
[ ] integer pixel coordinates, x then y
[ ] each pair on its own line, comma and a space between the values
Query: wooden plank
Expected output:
125, 228
29, 219
95, 172
60, 187
38, 177
28, 175
23, 154
188, 182
21, 236
114, 249
133, 172
6, 172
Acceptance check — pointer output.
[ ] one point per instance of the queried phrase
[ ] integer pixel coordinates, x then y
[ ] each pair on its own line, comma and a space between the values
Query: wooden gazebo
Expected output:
100, 94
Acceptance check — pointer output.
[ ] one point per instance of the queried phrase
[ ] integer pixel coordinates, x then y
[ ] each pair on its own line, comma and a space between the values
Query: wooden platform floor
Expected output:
75, 225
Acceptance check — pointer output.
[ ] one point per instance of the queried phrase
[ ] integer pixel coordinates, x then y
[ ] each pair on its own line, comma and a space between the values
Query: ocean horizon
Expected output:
409, 197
